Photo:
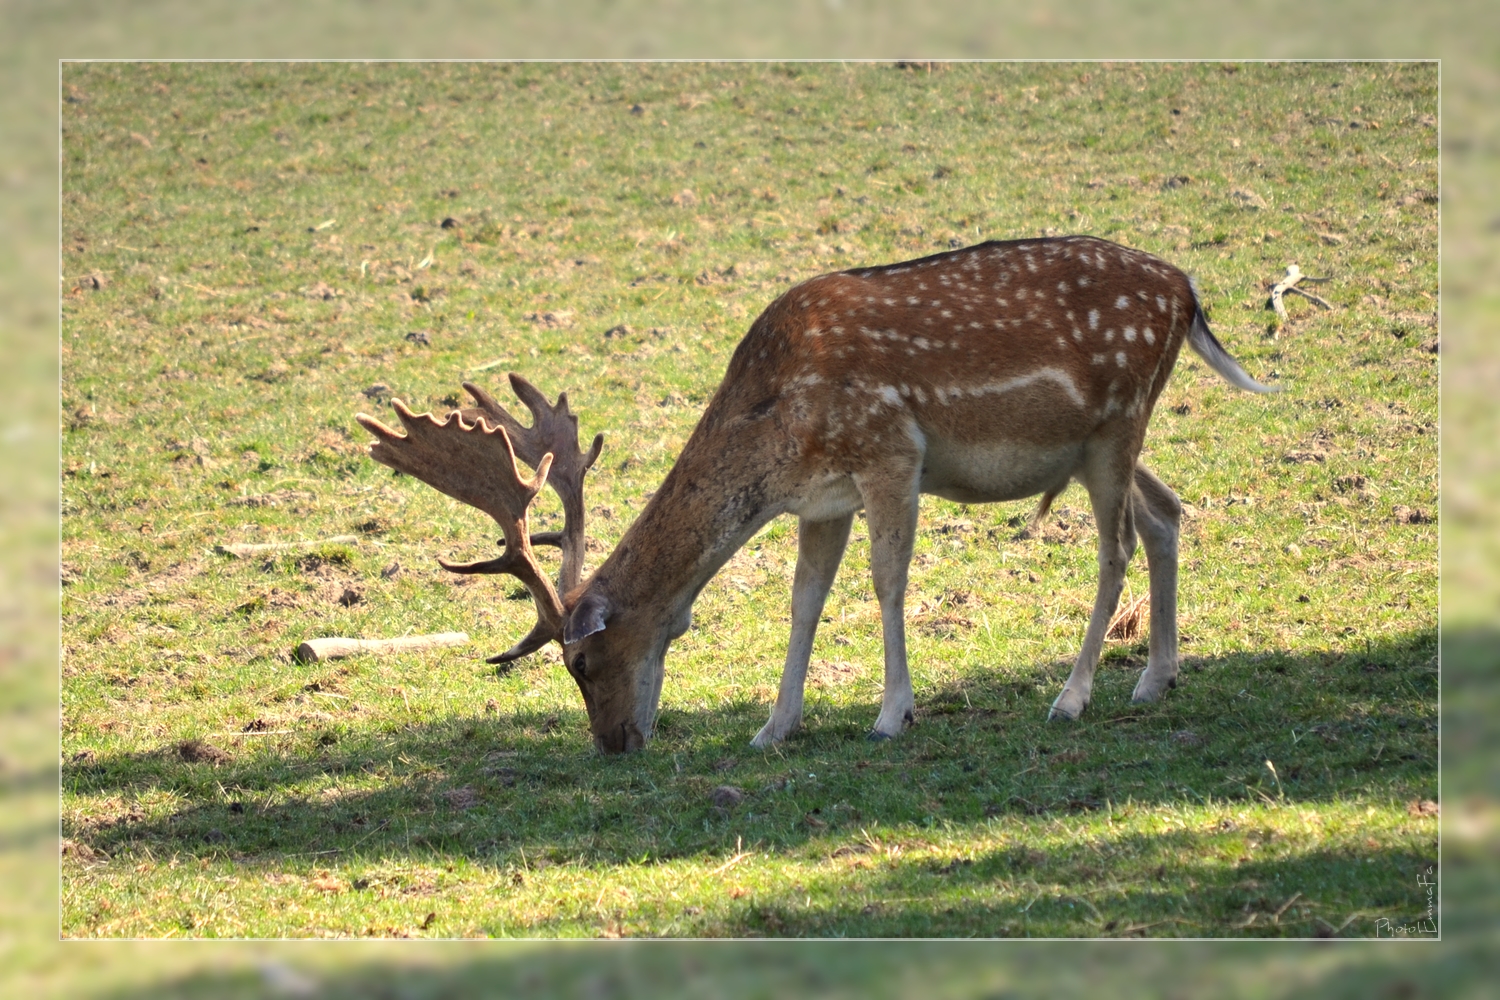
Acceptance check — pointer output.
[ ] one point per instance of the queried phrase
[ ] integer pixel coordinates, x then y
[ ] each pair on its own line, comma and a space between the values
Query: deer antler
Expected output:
554, 430
476, 464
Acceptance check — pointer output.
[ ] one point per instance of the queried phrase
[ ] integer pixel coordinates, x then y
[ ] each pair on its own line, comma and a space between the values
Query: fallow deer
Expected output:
996, 372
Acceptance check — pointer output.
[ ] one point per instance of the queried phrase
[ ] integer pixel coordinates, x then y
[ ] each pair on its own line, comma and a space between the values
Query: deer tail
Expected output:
1207, 346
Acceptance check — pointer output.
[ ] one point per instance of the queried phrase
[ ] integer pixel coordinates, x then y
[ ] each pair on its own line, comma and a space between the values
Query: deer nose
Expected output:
624, 738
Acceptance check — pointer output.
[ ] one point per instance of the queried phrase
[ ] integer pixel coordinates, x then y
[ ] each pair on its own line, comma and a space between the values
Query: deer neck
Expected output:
724, 487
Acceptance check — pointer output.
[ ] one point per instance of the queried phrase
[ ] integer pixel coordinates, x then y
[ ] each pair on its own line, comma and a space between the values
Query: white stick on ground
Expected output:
316, 650
242, 549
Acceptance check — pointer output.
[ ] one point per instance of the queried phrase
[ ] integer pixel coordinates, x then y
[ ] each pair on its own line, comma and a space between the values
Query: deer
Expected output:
996, 372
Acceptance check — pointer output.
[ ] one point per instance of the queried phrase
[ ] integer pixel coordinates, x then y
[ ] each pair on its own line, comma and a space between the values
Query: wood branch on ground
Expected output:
242, 550
334, 647
1289, 283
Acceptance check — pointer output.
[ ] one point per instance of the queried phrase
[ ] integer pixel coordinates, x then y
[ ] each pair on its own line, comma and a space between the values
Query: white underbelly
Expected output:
992, 471
834, 497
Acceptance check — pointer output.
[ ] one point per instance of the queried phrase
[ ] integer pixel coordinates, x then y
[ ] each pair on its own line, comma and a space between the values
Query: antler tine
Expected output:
554, 430
475, 463
519, 434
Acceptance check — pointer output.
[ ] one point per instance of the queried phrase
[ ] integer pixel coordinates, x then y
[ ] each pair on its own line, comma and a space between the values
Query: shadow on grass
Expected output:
939, 970
1336, 725
1185, 884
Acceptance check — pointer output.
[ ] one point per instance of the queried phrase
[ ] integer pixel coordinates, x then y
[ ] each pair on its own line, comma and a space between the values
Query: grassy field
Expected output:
252, 254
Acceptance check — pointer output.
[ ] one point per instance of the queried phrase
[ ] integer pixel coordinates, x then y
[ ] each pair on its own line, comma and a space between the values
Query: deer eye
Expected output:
580, 667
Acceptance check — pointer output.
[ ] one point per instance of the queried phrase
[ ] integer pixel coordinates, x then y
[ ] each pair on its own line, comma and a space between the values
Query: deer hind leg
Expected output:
891, 498
1157, 514
1110, 496
820, 548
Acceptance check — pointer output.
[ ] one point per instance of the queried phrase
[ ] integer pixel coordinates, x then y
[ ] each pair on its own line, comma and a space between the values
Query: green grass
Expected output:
208, 395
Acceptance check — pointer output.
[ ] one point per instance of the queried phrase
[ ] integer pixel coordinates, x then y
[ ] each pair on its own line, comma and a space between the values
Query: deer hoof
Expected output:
765, 739
876, 736
887, 730
774, 731
1151, 687
1068, 706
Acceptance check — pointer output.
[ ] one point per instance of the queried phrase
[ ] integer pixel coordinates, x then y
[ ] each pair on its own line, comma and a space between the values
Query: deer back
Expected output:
1036, 341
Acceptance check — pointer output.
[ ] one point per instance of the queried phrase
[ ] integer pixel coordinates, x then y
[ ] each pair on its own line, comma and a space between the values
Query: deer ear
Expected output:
586, 618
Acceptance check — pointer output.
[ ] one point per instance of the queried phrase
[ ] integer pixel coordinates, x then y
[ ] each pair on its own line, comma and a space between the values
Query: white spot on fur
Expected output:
1161, 304
1150, 337
1120, 358
1083, 281
1097, 359
1109, 336
1130, 333
1093, 319
921, 343
1122, 302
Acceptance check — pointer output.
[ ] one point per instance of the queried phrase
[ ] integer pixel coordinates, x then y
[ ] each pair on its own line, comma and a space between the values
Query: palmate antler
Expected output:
471, 456
554, 429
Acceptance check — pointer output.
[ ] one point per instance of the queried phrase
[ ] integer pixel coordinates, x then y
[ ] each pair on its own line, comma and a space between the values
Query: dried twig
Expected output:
254, 732
1129, 620
316, 650
242, 550
1276, 917
731, 863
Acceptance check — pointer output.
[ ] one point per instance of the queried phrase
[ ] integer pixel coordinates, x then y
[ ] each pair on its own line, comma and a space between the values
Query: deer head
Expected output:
471, 455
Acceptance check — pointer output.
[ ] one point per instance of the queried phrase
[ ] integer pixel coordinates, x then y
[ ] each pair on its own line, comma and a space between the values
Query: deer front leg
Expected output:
820, 548
1112, 511
890, 497
1158, 513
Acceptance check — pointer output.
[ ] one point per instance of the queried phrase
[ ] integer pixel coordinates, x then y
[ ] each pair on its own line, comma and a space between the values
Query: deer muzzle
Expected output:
624, 738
